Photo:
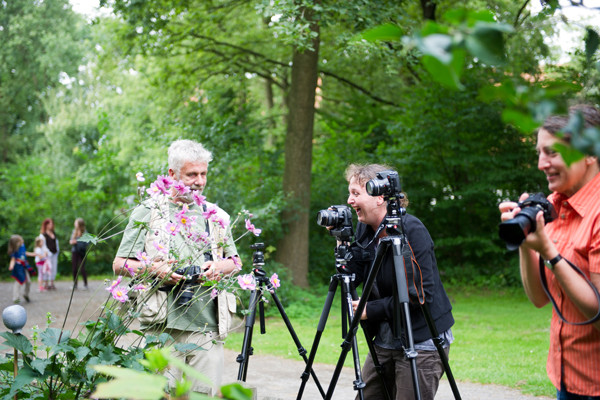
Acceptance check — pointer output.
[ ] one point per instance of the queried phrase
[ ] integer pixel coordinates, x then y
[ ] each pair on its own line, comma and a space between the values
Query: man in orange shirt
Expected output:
573, 238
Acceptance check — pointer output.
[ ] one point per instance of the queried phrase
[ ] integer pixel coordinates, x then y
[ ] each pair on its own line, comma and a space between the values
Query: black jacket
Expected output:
380, 305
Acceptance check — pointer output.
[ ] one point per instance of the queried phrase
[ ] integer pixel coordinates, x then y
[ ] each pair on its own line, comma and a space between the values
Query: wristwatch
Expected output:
551, 263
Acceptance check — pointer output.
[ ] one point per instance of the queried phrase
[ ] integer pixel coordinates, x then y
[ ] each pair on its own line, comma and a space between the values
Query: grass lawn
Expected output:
500, 338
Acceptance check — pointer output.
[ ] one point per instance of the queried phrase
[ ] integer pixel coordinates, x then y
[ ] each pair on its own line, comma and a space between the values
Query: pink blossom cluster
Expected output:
248, 282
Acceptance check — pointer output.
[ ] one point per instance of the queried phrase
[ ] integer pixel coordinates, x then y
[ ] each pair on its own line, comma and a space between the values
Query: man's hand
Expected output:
163, 270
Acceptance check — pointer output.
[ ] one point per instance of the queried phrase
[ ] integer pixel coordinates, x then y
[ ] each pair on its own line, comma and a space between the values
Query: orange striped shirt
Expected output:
575, 349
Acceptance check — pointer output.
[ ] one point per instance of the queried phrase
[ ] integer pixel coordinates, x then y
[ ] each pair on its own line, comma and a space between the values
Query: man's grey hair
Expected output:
182, 151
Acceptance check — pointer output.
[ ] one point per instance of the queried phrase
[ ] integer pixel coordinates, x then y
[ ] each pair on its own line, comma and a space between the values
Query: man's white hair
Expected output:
182, 151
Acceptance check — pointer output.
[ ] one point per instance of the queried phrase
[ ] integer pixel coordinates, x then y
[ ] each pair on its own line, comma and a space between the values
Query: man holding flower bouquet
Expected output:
181, 247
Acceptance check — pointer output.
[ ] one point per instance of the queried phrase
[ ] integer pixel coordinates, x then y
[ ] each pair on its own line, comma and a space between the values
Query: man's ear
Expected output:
380, 200
171, 173
590, 160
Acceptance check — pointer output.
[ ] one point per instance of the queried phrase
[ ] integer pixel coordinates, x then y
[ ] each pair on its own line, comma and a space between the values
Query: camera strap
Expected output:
580, 272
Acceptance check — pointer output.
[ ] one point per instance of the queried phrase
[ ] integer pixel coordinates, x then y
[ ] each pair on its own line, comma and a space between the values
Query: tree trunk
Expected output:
428, 7
292, 250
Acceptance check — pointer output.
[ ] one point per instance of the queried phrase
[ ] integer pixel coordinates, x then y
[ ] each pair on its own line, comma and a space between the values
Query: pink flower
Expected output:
251, 228
214, 293
199, 238
172, 228
140, 177
129, 269
165, 180
160, 247
140, 287
221, 222
275, 281
212, 210
143, 257
120, 293
247, 282
114, 284
198, 198
237, 263
155, 190
180, 188
182, 218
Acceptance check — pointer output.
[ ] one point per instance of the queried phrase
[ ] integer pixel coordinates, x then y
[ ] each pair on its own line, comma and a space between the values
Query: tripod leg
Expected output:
359, 384
320, 328
368, 286
402, 292
369, 339
439, 344
243, 357
301, 349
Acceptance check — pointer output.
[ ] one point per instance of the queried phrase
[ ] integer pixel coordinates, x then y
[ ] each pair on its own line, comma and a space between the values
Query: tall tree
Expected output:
40, 41
293, 249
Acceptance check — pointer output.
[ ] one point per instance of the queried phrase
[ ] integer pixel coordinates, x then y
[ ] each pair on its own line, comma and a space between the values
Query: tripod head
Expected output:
342, 256
258, 260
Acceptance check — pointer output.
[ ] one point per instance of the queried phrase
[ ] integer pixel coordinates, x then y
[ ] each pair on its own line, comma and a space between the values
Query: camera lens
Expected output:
377, 187
327, 218
514, 231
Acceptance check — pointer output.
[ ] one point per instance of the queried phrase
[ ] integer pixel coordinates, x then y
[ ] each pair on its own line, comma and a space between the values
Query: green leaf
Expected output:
385, 32
447, 74
40, 364
51, 336
486, 42
108, 356
568, 153
430, 28
156, 359
17, 341
522, 120
88, 238
130, 384
592, 40
81, 353
185, 347
24, 377
236, 391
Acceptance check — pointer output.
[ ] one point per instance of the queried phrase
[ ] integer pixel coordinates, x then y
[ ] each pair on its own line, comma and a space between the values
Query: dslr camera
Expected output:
184, 291
515, 230
340, 218
386, 183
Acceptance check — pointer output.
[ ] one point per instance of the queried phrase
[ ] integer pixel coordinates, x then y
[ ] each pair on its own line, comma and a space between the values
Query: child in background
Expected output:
42, 263
19, 267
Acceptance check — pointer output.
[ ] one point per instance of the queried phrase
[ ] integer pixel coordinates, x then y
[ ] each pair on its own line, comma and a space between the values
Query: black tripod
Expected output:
396, 239
256, 297
344, 279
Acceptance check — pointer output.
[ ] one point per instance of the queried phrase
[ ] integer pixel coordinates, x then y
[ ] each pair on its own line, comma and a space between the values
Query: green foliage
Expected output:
172, 70
58, 365
40, 41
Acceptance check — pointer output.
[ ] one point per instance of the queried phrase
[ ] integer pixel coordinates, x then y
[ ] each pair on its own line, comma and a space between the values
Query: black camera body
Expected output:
184, 290
340, 218
386, 183
514, 231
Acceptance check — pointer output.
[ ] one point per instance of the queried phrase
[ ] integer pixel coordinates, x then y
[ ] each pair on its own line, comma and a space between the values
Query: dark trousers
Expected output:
562, 394
398, 375
78, 264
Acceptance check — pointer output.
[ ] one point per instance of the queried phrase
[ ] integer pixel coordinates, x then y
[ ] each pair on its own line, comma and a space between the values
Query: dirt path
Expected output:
274, 378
